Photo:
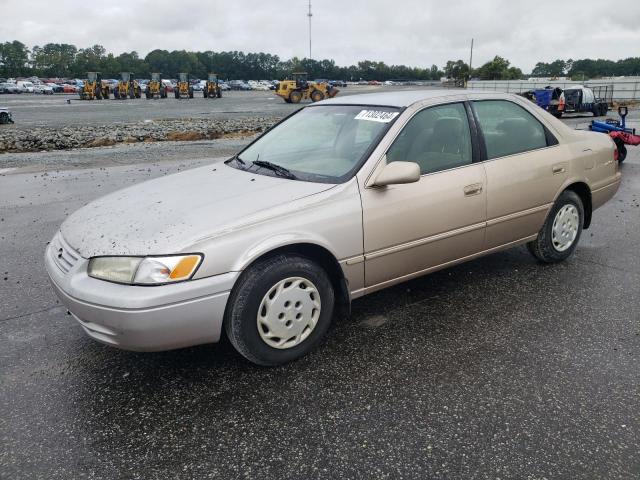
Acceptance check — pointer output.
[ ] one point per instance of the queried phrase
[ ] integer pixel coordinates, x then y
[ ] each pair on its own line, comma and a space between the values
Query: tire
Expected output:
204, 92
246, 309
287, 100
4, 118
219, 93
176, 94
295, 96
622, 150
557, 114
191, 93
316, 96
550, 246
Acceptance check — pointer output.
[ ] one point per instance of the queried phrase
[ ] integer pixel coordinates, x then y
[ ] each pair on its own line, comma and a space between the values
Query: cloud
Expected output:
411, 32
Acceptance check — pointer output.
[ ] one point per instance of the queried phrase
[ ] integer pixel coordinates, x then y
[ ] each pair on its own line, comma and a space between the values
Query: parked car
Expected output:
239, 85
223, 85
374, 190
5, 116
55, 87
168, 85
66, 88
7, 87
43, 89
25, 86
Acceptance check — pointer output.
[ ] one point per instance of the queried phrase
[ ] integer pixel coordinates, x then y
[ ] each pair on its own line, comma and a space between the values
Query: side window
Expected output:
508, 128
437, 138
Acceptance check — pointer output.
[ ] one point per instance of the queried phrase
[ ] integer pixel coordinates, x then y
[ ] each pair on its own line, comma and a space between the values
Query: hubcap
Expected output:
289, 312
565, 227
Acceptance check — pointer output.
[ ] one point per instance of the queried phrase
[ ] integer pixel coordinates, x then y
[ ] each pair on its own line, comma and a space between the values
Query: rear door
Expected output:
525, 169
411, 228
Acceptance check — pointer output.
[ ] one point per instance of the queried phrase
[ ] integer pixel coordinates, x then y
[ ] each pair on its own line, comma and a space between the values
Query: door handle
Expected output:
471, 190
558, 169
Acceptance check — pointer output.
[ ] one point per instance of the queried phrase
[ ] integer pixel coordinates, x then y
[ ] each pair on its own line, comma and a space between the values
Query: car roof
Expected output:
402, 98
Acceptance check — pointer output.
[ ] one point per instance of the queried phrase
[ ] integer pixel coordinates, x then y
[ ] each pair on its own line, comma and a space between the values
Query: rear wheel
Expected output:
219, 93
176, 92
204, 92
295, 97
317, 95
4, 118
191, 93
561, 231
279, 310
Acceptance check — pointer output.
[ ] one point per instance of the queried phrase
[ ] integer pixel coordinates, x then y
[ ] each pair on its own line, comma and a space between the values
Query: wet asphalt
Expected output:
500, 368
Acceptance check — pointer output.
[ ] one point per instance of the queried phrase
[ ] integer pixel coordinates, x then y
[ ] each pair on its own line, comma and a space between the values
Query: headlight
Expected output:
144, 270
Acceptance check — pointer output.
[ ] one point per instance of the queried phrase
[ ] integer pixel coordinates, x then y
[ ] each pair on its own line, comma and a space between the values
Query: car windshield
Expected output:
323, 143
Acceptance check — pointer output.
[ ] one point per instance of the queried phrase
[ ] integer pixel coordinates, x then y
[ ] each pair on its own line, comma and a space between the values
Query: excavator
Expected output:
127, 87
183, 89
93, 88
155, 88
299, 88
212, 88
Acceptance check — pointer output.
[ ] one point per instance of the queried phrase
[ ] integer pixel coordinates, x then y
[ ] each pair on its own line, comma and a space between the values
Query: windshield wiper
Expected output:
280, 170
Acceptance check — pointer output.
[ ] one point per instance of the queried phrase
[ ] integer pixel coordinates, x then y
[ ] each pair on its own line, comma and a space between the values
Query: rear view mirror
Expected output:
396, 173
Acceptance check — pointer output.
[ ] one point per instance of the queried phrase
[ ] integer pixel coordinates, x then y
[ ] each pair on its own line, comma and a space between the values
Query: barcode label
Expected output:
377, 116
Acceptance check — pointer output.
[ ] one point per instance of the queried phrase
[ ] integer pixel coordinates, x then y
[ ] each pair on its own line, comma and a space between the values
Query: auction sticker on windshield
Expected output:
377, 116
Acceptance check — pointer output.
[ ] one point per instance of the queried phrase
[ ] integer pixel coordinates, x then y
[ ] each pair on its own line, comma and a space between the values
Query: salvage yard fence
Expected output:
624, 89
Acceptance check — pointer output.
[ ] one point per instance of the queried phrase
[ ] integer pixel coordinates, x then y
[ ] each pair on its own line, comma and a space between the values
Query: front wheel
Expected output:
295, 96
561, 232
279, 310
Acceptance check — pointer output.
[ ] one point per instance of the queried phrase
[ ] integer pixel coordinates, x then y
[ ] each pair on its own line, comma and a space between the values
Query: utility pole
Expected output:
309, 15
470, 62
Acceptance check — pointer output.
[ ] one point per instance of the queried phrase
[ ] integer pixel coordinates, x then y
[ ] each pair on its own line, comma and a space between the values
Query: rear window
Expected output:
508, 128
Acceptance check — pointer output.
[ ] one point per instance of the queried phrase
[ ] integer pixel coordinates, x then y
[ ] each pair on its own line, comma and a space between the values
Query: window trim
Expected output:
550, 139
475, 148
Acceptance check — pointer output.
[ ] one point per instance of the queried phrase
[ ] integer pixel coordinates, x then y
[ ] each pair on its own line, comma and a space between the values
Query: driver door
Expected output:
412, 228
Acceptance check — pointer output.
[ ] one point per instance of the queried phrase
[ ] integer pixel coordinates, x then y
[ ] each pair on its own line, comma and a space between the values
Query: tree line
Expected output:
67, 61
63, 60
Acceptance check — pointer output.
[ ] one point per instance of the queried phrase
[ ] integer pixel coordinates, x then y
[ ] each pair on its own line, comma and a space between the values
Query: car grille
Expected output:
62, 254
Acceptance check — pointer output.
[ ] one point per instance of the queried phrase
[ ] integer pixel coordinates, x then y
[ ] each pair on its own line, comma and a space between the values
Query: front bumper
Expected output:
138, 318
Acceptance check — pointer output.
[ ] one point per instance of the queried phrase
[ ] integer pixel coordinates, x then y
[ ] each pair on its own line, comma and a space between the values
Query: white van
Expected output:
25, 86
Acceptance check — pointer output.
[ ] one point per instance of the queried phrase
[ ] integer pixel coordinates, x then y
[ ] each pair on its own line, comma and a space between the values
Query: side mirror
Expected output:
395, 173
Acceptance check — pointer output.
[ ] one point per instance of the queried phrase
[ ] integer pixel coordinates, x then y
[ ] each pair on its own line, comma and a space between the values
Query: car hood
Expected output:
169, 214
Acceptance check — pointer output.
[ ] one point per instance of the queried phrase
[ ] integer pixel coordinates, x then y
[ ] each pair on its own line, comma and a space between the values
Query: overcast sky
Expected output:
410, 32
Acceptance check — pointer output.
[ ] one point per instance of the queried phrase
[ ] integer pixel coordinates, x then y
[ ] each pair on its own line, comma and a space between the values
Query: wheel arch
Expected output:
319, 254
584, 192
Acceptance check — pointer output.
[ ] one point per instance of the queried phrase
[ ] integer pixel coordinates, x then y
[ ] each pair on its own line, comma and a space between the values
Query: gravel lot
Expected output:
498, 368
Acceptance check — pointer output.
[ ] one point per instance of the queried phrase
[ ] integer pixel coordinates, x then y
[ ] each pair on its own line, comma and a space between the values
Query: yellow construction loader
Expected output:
299, 88
212, 88
155, 88
93, 88
183, 88
127, 87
